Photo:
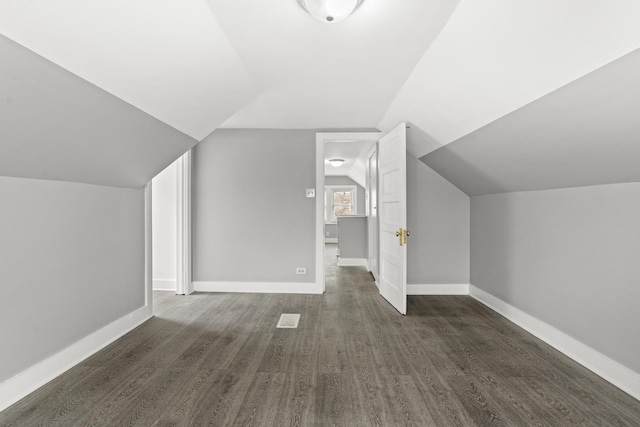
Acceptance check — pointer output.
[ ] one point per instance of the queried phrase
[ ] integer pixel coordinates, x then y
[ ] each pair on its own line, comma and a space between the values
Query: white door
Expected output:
372, 210
392, 216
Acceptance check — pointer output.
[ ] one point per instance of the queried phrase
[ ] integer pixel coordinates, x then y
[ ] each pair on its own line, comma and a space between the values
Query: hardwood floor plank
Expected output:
296, 406
404, 404
367, 383
334, 401
332, 356
261, 400
221, 400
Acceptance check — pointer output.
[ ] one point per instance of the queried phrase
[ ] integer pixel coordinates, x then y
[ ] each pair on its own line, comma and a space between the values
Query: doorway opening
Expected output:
171, 229
388, 209
342, 201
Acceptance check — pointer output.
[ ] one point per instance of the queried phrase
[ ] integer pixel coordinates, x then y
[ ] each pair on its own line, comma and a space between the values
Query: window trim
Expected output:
328, 207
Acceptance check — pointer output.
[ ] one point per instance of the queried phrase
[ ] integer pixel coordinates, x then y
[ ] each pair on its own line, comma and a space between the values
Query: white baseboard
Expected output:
331, 240
259, 287
352, 262
612, 371
164, 285
447, 289
17, 387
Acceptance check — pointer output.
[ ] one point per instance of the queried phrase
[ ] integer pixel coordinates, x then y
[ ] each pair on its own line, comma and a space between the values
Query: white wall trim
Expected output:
437, 289
320, 210
352, 262
184, 285
260, 287
612, 371
36, 376
164, 285
331, 240
148, 249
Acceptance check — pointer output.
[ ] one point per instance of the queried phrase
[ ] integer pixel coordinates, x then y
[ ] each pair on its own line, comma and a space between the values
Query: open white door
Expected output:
392, 216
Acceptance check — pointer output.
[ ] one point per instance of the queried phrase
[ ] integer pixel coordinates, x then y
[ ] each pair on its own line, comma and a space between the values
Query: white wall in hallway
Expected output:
164, 213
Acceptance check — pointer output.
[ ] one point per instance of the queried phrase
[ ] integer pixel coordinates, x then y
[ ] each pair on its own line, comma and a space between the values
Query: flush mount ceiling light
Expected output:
330, 11
336, 162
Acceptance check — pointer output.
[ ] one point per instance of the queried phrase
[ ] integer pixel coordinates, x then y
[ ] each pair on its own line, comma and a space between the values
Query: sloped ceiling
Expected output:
495, 56
585, 133
57, 126
355, 155
168, 58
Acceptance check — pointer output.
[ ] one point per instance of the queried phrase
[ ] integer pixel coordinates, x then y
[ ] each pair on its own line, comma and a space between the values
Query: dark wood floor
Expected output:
217, 359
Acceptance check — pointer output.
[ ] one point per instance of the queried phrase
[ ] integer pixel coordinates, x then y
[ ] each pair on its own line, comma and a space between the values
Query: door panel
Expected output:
392, 216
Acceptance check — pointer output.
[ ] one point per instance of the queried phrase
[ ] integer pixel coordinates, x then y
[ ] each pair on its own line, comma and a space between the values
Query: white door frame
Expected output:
372, 228
321, 138
184, 284
148, 251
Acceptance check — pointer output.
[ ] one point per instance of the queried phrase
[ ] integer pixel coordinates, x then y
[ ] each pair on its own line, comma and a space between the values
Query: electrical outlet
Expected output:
301, 270
327, 234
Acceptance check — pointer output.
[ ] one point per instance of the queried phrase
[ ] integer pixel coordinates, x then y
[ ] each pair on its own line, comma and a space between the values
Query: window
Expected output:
339, 200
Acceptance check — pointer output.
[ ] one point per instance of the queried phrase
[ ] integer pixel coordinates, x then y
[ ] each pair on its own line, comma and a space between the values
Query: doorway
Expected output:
353, 148
390, 204
171, 228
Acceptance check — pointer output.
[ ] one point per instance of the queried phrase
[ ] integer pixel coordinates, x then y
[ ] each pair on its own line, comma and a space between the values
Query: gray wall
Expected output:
71, 262
568, 257
353, 242
251, 219
438, 217
331, 231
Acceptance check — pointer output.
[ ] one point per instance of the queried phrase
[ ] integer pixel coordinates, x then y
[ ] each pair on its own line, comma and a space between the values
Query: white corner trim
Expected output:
164, 285
612, 371
352, 262
20, 385
435, 289
260, 287
331, 240
148, 250
183, 224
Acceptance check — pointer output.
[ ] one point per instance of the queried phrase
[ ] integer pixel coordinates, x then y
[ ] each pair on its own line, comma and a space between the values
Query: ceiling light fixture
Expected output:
330, 11
336, 162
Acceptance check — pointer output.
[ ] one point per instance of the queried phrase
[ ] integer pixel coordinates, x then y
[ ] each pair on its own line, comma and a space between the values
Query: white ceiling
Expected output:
446, 67
316, 75
354, 154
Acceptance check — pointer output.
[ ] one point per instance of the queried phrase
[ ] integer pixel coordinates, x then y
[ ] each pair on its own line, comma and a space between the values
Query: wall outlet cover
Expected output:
311, 192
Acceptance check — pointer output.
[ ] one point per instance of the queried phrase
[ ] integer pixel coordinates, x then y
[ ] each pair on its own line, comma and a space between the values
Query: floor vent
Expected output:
288, 320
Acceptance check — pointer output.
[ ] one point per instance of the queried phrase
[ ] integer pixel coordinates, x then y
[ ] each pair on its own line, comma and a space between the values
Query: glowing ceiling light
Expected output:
330, 11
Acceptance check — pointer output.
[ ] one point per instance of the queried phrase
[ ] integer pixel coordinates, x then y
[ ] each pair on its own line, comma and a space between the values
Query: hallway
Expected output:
217, 359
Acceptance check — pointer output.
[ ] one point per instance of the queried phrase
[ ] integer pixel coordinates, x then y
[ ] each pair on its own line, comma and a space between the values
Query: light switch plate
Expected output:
311, 192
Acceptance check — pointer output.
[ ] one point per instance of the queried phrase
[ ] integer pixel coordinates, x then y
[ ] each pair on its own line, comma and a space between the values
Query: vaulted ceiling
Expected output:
157, 76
